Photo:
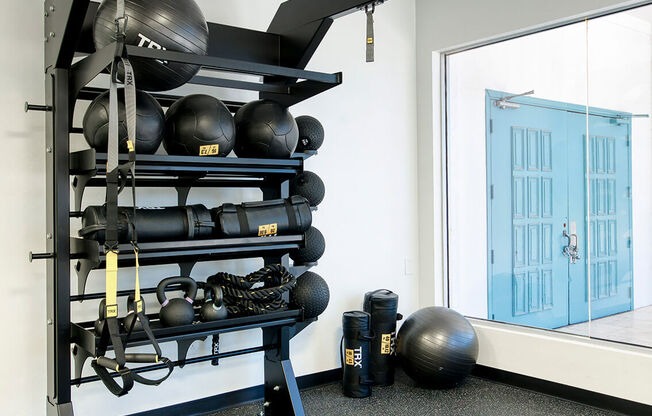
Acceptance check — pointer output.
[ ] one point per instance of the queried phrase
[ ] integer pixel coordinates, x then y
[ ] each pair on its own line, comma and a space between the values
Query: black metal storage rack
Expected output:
278, 55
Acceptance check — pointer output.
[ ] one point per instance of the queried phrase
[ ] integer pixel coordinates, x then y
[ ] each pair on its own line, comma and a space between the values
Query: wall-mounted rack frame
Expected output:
278, 58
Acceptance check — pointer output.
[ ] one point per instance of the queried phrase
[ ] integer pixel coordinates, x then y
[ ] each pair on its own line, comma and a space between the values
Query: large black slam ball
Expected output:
314, 247
311, 294
311, 133
437, 347
265, 129
174, 25
308, 185
199, 125
150, 123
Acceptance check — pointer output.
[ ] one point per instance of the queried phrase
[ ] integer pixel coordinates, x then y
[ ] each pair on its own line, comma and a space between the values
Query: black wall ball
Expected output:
310, 186
174, 25
150, 123
199, 125
265, 129
437, 347
314, 248
310, 294
311, 133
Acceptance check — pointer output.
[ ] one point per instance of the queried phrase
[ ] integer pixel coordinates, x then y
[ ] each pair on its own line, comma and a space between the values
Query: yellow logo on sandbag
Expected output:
267, 229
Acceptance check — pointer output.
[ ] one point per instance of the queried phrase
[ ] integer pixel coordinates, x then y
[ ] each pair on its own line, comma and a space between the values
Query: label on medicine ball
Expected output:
267, 229
209, 150
353, 357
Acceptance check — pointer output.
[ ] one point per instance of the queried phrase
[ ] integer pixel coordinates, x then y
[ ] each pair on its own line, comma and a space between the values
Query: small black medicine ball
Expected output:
265, 129
310, 294
311, 133
310, 186
150, 123
199, 125
314, 248
173, 25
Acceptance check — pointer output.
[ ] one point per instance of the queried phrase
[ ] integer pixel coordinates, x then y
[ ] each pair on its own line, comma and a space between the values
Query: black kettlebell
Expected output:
177, 311
131, 315
213, 308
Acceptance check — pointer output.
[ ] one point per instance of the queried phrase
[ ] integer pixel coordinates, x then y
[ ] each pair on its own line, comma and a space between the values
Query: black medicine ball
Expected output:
173, 25
265, 129
199, 125
311, 133
314, 247
310, 294
308, 185
150, 123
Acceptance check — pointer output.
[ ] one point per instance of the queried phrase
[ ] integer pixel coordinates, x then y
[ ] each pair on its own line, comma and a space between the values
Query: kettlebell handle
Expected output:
213, 292
187, 283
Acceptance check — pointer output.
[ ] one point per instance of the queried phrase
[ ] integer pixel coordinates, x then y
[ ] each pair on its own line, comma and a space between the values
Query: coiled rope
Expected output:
241, 298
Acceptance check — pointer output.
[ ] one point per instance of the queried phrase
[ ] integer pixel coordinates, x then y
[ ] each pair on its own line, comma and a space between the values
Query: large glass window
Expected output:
549, 158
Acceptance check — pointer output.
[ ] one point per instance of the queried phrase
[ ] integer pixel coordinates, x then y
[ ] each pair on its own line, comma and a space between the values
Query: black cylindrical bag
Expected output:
152, 224
354, 353
382, 305
265, 218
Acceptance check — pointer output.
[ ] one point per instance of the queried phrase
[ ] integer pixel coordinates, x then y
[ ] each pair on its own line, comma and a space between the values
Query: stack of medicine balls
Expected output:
202, 125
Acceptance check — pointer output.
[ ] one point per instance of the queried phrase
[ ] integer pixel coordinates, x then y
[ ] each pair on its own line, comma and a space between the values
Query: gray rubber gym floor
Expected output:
476, 397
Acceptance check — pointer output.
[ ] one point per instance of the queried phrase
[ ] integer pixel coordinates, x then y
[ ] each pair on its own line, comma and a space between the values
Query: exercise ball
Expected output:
173, 25
314, 247
310, 294
199, 125
437, 347
308, 185
311, 133
150, 123
266, 129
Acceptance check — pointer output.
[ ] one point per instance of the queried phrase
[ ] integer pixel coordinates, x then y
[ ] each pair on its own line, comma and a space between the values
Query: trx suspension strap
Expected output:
370, 31
109, 327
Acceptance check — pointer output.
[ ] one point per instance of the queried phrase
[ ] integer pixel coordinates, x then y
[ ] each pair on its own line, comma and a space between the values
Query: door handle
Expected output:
570, 250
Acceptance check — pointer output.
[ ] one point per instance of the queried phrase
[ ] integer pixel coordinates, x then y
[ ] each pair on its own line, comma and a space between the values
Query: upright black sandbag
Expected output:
274, 217
354, 353
152, 224
382, 305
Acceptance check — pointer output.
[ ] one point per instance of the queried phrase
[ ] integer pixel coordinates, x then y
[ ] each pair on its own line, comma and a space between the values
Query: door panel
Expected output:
527, 163
610, 218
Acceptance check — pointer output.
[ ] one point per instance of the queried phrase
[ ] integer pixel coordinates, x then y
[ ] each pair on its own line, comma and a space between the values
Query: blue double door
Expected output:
537, 190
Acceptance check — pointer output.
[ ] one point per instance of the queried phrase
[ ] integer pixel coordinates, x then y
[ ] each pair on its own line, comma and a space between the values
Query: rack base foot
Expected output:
63, 409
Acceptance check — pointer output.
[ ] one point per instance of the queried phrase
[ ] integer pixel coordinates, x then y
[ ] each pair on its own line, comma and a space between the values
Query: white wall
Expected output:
443, 25
552, 63
368, 163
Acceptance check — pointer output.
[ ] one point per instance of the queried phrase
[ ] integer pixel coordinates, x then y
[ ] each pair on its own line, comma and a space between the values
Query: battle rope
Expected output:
243, 295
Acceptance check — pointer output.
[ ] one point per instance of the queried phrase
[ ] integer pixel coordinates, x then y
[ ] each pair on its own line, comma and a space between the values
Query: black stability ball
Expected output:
150, 123
174, 25
265, 129
315, 245
437, 347
311, 133
199, 125
310, 186
310, 294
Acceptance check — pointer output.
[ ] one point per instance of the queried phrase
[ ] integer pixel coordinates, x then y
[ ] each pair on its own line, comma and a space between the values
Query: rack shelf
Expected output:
184, 172
90, 255
86, 343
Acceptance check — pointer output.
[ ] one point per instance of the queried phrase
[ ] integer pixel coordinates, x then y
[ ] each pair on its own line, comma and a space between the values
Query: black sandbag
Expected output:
264, 218
354, 353
152, 224
382, 305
